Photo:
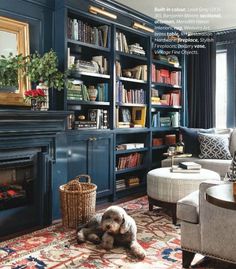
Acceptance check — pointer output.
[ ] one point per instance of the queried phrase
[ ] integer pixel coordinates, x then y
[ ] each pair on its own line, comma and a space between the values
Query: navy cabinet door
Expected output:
92, 154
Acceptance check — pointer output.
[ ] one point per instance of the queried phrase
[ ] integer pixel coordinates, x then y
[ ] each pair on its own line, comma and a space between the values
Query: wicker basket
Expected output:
78, 201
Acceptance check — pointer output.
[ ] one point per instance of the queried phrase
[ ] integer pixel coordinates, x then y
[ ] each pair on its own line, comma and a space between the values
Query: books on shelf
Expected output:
190, 165
128, 146
132, 96
130, 161
100, 116
84, 32
166, 76
138, 72
79, 92
123, 183
171, 119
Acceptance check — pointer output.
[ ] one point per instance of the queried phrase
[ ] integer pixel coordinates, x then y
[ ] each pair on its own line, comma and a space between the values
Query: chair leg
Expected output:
174, 219
150, 207
187, 258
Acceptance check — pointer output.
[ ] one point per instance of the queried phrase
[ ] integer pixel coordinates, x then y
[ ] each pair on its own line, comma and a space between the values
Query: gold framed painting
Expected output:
14, 36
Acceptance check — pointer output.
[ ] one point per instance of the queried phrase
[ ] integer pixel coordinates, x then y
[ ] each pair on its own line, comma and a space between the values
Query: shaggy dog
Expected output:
114, 226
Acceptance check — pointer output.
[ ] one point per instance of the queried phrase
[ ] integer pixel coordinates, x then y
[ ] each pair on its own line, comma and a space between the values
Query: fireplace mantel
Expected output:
32, 122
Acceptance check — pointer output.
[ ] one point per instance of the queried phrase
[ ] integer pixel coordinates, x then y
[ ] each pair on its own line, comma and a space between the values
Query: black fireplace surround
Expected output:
32, 166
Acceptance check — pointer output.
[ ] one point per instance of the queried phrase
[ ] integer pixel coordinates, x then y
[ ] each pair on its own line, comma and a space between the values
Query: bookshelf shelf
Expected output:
166, 107
130, 104
160, 147
119, 152
129, 170
88, 74
166, 65
131, 187
88, 103
132, 56
164, 129
163, 85
132, 80
87, 45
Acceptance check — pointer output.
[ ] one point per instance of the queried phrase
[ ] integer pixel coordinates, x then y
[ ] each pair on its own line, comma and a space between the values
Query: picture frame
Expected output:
18, 33
139, 116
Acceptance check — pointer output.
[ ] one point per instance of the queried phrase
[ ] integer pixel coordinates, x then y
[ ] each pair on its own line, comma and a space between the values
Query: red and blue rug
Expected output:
54, 247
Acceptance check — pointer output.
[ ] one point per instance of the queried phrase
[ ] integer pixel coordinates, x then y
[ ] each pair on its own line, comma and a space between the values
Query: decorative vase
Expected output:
93, 93
36, 105
45, 104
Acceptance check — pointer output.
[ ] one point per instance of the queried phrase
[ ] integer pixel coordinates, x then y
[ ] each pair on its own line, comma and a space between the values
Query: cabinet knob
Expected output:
94, 139
69, 153
90, 139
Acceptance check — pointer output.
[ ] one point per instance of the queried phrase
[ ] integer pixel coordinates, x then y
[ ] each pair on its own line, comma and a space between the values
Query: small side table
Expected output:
222, 196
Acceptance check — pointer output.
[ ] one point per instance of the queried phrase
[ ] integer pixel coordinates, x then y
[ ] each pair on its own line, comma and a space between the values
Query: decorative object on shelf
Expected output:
36, 98
139, 26
93, 93
100, 11
170, 139
173, 59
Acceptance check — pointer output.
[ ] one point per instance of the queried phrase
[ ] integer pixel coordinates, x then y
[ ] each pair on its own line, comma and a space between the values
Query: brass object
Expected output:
139, 26
100, 11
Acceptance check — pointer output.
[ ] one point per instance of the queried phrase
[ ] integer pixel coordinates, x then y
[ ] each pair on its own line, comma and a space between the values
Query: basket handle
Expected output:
87, 177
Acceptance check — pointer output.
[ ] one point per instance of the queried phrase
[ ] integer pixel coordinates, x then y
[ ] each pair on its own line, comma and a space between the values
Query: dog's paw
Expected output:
106, 245
80, 238
138, 251
140, 254
94, 238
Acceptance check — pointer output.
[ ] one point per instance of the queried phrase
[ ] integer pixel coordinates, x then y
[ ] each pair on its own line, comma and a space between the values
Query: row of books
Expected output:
173, 119
98, 64
130, 161
79, 92
133, 96
169, 99
81, 31
138, 72
166, 76
127, 182
123, 46
96, 119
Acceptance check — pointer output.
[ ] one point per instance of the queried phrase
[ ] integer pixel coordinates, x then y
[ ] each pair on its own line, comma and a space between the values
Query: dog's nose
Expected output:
108, 226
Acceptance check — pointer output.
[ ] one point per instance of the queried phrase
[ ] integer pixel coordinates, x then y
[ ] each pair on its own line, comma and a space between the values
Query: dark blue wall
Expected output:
39, 14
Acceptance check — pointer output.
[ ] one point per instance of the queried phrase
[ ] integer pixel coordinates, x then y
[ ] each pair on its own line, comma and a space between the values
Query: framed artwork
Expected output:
139, 115
14, 36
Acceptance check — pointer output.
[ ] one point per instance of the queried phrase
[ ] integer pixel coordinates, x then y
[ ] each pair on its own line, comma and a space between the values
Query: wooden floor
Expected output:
98, 207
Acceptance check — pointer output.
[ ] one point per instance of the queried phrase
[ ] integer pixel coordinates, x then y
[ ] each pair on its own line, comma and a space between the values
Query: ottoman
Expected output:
165, 188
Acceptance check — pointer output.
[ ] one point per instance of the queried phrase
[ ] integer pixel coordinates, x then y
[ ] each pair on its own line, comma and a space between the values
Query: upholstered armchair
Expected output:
206, 228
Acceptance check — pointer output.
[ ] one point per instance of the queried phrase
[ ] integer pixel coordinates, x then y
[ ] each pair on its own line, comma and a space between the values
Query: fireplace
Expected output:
24, 189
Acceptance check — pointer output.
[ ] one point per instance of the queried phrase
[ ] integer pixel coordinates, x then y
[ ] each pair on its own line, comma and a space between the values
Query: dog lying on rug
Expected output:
114, 226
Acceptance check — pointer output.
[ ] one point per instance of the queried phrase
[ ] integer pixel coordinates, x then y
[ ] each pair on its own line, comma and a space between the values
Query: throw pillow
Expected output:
190, 138
214, 147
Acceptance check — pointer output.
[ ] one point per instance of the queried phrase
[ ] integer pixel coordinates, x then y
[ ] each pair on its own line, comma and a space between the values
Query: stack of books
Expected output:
120, 184
186, 167
129, 161
132, 181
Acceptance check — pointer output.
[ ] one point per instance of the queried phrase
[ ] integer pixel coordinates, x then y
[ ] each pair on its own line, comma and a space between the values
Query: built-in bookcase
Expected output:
134, 101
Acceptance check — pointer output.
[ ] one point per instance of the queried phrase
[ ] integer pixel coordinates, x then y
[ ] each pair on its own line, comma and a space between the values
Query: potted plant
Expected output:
43, 72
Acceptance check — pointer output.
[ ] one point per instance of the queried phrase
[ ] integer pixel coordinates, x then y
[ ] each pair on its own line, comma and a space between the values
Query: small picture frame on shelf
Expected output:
139, 116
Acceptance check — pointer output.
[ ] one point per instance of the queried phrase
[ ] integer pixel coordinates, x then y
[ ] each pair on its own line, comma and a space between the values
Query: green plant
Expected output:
44, 69
9, 70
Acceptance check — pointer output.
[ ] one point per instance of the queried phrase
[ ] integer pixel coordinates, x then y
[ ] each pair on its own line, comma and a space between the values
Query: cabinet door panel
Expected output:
100, 162
77, 157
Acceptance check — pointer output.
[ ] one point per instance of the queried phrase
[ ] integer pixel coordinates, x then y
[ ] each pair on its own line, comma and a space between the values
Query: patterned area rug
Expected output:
55, 248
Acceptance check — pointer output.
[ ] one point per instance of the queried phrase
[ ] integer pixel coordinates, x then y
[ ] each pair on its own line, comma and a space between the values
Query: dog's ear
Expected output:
125, 226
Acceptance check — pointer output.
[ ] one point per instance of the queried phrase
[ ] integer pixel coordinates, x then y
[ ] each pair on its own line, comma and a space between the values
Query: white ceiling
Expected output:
226, 9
